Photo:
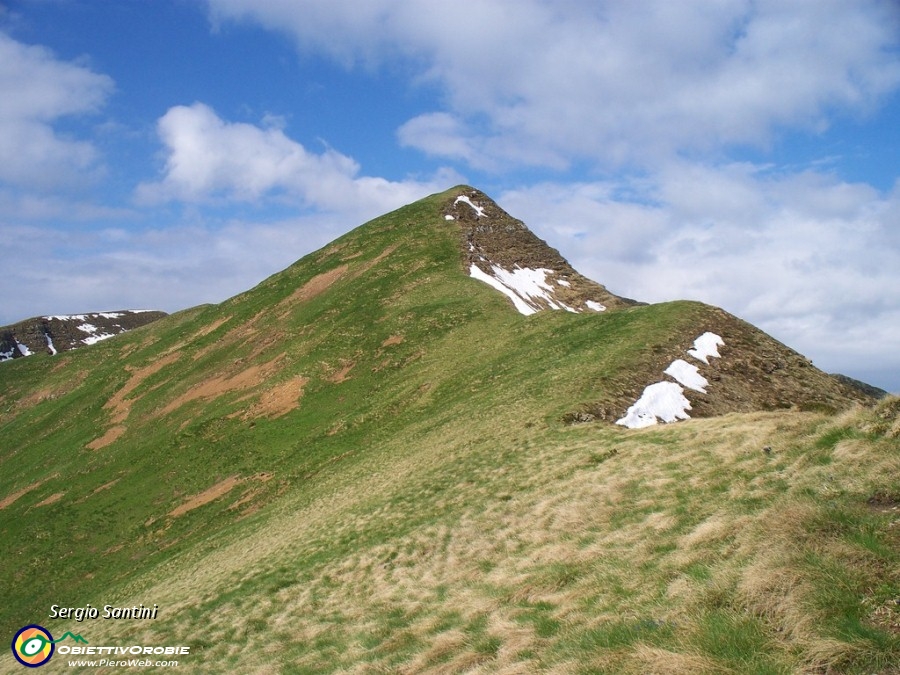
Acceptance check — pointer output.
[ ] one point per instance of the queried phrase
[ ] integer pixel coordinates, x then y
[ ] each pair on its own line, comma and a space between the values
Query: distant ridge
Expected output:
864, 387
60, 333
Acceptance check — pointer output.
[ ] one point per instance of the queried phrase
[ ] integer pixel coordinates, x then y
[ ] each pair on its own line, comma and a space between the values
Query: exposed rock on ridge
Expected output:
501, 251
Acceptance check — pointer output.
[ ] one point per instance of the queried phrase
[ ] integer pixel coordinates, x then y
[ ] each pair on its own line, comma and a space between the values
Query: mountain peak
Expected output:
501, 251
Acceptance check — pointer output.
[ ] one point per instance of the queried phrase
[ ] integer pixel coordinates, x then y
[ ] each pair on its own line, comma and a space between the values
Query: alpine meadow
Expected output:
373, 463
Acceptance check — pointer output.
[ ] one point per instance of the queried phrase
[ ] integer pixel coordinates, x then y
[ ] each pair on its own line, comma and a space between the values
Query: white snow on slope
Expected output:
23, 349
479, 210
67, 317
528, 283
50, 344
523, 307
705, 346
7, 356
93, 339
525, 286
663, 400
687, 375
563, 282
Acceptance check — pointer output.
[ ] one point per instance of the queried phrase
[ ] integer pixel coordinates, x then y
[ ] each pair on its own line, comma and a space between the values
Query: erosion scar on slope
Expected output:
120, 404
210, 494
11, 498
278, 400
315, 286
217, 386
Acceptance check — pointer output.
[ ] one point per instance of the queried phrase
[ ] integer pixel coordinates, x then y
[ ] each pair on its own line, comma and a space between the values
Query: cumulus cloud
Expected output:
208, 157
610, 82
40, 90
806, 256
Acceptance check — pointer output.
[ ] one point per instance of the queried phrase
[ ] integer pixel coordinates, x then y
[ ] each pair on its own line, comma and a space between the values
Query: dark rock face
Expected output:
497, 244
52, 334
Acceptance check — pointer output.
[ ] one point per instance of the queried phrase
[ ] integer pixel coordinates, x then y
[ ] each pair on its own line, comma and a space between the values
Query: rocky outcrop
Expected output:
502, 252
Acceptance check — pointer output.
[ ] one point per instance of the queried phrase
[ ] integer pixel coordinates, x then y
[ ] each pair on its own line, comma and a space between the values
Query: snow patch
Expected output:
479, 210
66, 317
596, 306
7, 356
523, 307
687, 375
23, 349
705, 346
50, 344
663, 400
449, 217
87, 328
666, 400
523, 286
563, 282
93, 339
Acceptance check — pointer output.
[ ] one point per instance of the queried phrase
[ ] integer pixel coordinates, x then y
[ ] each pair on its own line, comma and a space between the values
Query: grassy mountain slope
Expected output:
363, 464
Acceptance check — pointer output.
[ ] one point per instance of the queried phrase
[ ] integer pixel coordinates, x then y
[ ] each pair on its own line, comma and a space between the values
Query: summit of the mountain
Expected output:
501, 251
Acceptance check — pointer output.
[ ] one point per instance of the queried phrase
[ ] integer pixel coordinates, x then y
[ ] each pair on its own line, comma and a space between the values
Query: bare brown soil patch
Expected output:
12, 497
111, 436
222, 384
279, 400
342, 374
245, 498
55, 497
315, 286
210, 494
120, 404
392, 340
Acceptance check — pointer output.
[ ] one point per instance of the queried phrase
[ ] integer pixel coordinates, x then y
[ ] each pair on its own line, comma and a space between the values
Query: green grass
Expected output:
429, 509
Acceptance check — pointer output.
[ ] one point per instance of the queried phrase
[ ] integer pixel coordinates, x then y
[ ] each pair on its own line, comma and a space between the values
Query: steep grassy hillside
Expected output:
366, 463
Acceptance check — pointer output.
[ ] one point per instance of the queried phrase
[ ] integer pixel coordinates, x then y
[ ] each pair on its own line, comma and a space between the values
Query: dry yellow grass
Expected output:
558, 532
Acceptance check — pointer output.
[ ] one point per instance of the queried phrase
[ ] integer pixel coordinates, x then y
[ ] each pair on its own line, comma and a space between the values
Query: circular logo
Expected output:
33, 646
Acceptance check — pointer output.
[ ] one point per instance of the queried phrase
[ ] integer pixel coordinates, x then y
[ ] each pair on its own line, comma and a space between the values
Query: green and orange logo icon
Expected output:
33, 646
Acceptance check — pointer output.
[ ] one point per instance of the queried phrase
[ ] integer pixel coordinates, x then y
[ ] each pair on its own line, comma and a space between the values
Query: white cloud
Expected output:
68, 271
542, 82
39, 90
807, 257
208, 157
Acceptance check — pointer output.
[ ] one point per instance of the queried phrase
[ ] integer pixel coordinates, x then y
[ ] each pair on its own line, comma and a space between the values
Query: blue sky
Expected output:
741, 152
